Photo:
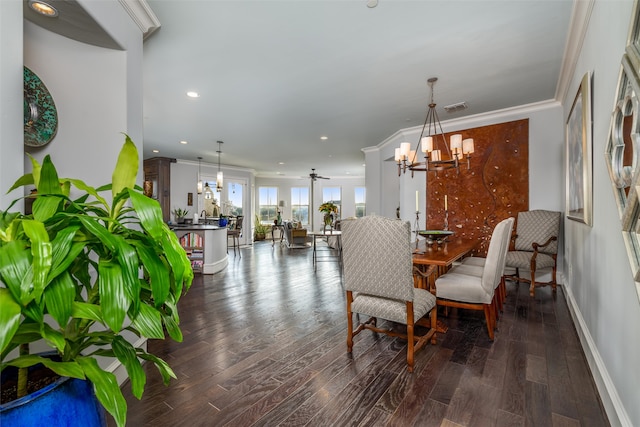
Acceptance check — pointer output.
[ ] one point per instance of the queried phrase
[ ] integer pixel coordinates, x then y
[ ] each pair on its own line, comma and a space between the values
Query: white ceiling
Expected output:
275, 76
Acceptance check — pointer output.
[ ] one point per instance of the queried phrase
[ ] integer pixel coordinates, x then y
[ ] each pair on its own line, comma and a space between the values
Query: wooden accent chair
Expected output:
473, 287
536, 246
378, 278
235, 231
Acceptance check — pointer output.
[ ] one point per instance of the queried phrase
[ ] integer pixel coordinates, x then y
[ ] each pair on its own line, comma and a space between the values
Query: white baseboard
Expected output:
608, 394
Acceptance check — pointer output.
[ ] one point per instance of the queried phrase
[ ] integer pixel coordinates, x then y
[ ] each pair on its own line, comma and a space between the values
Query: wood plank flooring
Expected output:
265, 345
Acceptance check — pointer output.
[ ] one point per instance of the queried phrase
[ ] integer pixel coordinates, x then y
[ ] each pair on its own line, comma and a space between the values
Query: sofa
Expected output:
294, 237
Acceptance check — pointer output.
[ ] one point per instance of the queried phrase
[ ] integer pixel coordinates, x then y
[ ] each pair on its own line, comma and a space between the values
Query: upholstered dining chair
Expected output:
475, 266
235, 232
471, 290
378, 278
536, 246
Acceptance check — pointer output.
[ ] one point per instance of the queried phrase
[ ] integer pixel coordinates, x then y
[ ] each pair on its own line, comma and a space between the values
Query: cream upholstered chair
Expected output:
536, 246
471, 290
378, 278
475, 266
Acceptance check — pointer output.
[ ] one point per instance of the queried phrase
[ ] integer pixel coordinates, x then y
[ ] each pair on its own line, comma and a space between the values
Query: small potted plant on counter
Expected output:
179, 215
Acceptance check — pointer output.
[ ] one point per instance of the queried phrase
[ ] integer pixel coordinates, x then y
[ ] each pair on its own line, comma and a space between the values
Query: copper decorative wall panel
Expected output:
494, 188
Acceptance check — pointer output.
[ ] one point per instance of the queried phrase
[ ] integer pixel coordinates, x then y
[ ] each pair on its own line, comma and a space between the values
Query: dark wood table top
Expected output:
444, 254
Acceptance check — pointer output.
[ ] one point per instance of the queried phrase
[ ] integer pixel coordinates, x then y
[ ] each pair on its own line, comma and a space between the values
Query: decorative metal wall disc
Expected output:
40, 116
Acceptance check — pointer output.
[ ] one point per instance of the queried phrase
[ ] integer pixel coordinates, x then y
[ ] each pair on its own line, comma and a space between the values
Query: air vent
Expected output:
454, 108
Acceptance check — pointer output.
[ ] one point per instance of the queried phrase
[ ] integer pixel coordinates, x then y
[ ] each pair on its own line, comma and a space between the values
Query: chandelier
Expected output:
429, 144
219, 177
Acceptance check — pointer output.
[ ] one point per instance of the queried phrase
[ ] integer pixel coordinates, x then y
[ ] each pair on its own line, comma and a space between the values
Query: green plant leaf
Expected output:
149, 213
15, 270
106, 388
82, 186
83, 310
149, 322
65, 251
49, 182
41, 252
65, 369
45, 206
113, 298
59, 297
126, 354
171, 323
10, 315
54, 338
157, 270
125, 172
164, 369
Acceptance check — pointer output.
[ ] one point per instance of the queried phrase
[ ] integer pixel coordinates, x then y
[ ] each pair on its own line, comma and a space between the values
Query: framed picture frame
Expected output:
579, 168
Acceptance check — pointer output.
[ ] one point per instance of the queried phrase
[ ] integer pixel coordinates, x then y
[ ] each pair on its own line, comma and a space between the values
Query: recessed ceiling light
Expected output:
281, 163
192, 94
324, 138
43, 8
156, 151
184, 142
348, 173
372, 3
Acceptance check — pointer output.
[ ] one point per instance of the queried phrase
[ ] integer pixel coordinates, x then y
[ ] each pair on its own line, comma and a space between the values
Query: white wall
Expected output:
599, 282
97, 91
11, 129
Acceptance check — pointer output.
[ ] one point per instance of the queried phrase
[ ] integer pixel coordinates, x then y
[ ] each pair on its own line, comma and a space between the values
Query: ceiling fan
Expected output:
314, 176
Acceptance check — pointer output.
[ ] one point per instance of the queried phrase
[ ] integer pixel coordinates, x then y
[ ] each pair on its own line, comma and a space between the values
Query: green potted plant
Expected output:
260, 230
179, 214
77, 273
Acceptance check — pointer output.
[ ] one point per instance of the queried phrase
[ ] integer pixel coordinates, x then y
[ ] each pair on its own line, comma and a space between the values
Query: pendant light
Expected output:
219, 177
199, 177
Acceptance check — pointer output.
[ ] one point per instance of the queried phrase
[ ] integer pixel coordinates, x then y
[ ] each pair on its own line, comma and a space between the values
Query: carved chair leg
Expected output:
434, 323
410, 345
554, 284
349, 323
488, 314
532, 288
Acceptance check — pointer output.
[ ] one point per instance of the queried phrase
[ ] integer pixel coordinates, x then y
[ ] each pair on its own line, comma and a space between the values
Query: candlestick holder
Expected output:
446, 220
416, 227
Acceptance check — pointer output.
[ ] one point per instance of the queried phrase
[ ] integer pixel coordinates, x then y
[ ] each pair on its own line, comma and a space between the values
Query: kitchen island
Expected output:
206, 246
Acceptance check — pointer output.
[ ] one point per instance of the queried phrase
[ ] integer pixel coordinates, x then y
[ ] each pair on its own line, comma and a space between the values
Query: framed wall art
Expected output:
579, 156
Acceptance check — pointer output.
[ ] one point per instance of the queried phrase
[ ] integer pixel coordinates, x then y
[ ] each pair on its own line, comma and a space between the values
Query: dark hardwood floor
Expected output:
265, 345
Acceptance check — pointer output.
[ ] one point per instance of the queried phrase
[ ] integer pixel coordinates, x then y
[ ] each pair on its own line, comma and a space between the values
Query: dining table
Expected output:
431, 260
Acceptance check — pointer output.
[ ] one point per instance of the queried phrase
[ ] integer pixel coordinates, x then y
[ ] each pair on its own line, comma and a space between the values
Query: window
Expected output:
267, 204
234, 198
300, 204
332, 194
361, 198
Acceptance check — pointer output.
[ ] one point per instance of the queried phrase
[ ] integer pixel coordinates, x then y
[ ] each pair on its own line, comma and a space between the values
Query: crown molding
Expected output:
580, 16
142, 15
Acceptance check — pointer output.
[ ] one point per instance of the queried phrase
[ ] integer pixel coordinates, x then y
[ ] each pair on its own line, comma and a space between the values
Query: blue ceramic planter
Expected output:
66, 402
222, 222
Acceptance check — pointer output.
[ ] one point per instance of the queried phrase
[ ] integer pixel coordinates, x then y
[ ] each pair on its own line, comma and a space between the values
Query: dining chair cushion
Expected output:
474, 260
472, 270
521, 259
394, 310
463, 287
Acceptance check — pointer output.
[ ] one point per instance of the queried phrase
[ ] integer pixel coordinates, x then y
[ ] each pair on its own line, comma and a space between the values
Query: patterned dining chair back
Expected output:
377, 257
